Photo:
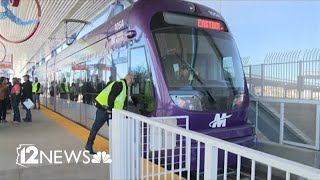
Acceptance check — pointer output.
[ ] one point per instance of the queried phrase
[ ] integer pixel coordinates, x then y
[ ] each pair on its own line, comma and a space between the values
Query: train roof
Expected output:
141, 13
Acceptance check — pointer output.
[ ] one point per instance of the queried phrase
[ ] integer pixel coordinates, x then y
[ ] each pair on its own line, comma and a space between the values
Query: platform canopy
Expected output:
17, 22
29, 37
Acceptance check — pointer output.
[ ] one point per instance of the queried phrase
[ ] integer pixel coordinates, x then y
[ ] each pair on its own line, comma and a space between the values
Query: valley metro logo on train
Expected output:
29, 154
219, 120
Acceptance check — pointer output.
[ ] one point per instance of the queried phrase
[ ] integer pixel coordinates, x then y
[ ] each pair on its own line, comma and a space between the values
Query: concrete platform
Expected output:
300, 155
46, 135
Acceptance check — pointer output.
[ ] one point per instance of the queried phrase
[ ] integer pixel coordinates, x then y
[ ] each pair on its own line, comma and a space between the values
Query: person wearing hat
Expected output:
27, 94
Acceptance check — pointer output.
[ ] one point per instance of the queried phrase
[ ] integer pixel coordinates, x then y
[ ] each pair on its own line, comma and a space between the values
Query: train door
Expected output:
119, 55
142, 93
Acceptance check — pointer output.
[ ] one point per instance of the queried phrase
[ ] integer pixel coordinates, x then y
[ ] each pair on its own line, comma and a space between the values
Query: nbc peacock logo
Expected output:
101, 157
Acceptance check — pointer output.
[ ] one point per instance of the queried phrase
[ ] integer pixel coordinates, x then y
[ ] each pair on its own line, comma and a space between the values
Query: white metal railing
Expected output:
312, 142
130, 143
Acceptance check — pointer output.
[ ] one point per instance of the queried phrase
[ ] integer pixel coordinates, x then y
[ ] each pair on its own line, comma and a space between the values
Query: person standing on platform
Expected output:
4, 88
101, 85
20, 84
27, 94
36, 91
15, 100
72, 92
9, 90
77, 92
64, 89
113, 96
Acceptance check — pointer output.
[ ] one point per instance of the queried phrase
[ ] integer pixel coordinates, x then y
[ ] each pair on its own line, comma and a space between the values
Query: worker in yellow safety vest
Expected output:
64, 89
36, 91
113, 96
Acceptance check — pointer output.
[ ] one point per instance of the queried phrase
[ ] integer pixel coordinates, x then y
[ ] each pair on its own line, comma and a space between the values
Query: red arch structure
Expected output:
15, 3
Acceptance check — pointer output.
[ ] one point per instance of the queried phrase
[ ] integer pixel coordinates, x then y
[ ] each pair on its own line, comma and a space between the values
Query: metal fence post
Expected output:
210, 162
317, 143
46, 86
299, 80
281, 122
250, 77
257, 114
262, 80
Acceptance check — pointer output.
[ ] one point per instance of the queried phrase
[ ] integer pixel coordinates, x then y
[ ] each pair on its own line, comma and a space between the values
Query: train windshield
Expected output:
202, 67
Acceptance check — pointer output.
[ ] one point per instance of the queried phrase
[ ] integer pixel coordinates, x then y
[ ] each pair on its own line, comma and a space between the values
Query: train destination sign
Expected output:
207, 24
78, 67
185, 20
6, 66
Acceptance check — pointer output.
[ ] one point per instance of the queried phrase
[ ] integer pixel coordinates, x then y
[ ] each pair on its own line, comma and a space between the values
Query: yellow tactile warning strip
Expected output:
101, 144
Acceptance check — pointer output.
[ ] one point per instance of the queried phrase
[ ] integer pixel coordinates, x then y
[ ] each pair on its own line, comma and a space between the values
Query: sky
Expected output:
266, 26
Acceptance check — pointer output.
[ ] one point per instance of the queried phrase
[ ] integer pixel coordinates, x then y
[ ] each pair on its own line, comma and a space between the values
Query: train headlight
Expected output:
188, 102
238, 101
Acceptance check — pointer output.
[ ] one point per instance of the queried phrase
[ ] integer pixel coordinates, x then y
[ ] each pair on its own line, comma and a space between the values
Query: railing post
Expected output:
281, 122
110, 144
137, 148
317, 143
188, 158
119, 166
46, 86
250, 77
210, 162
262, 80
257, 114
299, 80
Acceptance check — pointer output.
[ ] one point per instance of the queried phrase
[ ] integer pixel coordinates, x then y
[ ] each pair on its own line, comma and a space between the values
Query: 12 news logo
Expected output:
29, 154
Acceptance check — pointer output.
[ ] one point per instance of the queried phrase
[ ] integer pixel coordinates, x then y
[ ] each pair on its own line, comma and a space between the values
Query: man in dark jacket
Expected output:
101, 85
27, 94
9, 90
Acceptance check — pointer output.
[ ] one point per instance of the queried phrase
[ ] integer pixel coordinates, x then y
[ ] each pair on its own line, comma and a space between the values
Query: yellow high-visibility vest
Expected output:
65, 87
35, 88
102, 98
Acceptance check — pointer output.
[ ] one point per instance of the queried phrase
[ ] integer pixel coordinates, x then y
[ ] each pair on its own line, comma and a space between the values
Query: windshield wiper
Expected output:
197, 77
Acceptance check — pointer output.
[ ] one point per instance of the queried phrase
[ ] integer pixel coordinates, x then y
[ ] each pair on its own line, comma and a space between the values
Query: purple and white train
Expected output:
185, 60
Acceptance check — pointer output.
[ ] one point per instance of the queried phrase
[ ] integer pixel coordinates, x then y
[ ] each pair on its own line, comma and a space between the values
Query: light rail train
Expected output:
185, 60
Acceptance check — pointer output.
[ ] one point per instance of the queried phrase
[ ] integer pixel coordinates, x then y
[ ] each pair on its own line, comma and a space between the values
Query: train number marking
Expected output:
214, 14
119, 25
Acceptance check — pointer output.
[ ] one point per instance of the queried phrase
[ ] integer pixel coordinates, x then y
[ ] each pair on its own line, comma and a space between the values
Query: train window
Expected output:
142, 92
119, 64
228, 66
